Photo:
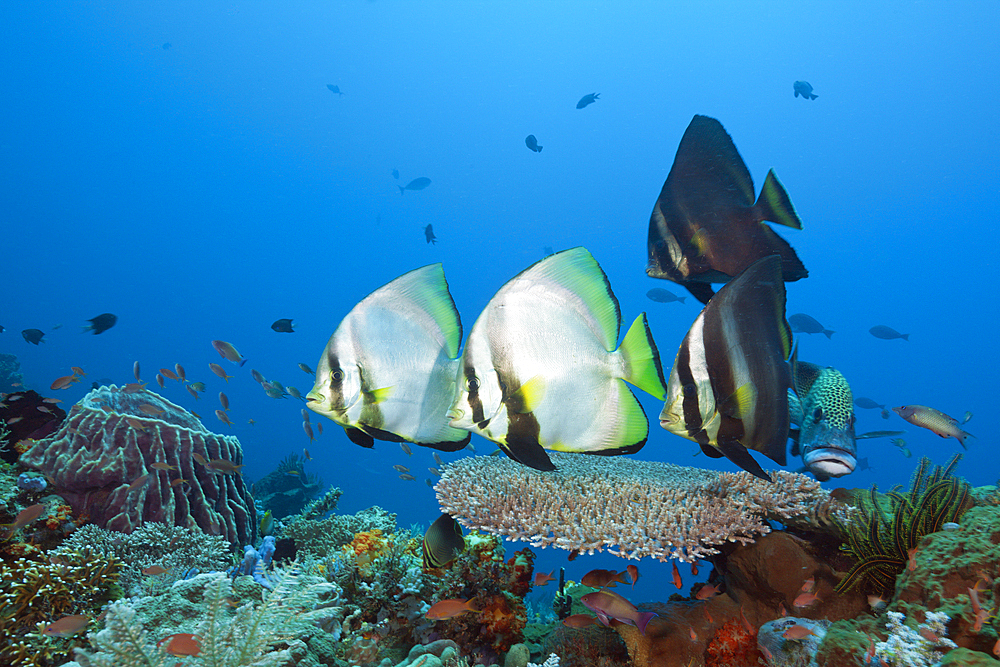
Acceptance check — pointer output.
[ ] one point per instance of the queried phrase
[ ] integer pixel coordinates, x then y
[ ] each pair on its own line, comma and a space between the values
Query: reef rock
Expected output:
101, 461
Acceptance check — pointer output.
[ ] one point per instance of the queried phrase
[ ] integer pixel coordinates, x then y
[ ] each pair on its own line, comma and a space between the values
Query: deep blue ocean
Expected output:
184, 166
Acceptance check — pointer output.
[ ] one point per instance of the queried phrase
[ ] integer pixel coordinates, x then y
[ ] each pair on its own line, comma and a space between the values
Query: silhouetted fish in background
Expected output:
415, 184
283, 326
395, 174
705, 227
166, 45
661, 295
532, 143
802, 323
2, 329
588, 99
101, 323
33, 336
334, 89
867, 403
728, 390
804, 89
429, 234
887, 333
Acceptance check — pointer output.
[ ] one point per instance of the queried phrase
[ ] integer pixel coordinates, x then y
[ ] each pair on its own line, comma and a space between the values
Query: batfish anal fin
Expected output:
359, 437
709, 450
448, 445
774, 205
530, 454
739, 455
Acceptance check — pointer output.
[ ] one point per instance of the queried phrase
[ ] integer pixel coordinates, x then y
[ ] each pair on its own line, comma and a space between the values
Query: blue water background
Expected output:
204, 190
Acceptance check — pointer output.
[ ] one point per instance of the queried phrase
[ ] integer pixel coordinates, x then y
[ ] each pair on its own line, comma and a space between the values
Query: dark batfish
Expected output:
334, 89
867, 403
2, 329
821, 405
415, 184
395, 174
661, 295
728, 390
887, 333
443, 542
588, 99
283, 325
101, 323
705, 227
33, 336
802, 323
804, 89
532, 143
429, 234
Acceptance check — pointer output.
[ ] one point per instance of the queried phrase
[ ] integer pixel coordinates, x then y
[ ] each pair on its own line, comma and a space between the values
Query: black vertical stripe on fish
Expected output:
475, 402
522, 442
705, 226
692, 410
442, 542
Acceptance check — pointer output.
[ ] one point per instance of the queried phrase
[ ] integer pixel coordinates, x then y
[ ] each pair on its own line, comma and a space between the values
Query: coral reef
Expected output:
321, 538
10, 377
101, 460
26, 417
287, 489
592, 503
175, 549
791, 652
906, 647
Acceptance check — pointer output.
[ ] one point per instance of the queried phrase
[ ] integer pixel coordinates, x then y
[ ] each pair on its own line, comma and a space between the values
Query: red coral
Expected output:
733, 646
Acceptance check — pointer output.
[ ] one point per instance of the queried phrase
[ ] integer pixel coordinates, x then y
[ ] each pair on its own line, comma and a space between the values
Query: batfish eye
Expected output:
337, 375
690, 389
473, 384
818, 414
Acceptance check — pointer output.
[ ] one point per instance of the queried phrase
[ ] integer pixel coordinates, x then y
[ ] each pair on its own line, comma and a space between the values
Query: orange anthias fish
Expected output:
155, 570
227, 351
307, 427
603, 578
224, 400
797, 632
579, 620
449, 609
134, 387
159, 465
633, 573
608, 604
182, 643
181, 374
541, 578
67, 626
706, 591
77, 370
934, 421
225, 467
223, 417
139, 482
220, 371
151, 409
805, 600
169, 373
678, 582
25, 516
64, 382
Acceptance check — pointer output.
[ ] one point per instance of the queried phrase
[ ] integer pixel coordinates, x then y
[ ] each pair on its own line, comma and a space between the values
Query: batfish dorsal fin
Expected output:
427, 289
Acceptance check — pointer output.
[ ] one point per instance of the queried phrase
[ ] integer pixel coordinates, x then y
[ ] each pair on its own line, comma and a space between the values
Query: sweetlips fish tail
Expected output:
642, 360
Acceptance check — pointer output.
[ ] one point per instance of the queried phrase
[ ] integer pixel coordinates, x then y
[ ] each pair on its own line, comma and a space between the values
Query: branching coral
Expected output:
882, 542
322, 538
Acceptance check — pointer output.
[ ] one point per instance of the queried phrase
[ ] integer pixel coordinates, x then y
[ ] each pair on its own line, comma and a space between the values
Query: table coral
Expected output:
100, 460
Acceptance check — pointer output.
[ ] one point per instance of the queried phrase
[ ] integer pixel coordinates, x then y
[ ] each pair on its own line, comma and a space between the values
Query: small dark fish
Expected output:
867, 403
33, 336
415, 184
885, 413
304, 368
547, 250
395, 174
804, 89
166, 45
429, 234
2, 329
442, 542
879, 434
588, 99
887, 333
660, 295
863, 465
283, 326
532, 143
802, 323
101, 323
334, 89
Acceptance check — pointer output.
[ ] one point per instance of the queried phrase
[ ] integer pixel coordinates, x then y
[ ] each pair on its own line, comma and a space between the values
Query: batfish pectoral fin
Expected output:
701, 291
739, 455
359, 437
381, 394
774, 204
528, 396
740, 403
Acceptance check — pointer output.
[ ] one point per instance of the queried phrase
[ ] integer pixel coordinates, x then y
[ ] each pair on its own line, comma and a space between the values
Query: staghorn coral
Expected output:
35, 592
631, 508
173, 548
254, 634
100, 460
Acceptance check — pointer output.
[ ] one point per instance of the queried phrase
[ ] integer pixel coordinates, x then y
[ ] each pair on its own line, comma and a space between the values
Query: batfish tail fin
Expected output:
812, 96
774, 205
642, 360
401, 189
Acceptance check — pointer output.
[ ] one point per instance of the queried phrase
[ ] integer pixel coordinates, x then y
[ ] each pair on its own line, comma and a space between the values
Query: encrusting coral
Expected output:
102, 456
631, 508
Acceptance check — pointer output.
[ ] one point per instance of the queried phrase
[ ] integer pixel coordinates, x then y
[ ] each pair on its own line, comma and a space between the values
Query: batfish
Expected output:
706, 227
389, 370
728, 390
540, 369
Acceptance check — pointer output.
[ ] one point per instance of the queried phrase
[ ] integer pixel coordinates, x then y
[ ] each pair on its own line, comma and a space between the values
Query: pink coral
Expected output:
101, 461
